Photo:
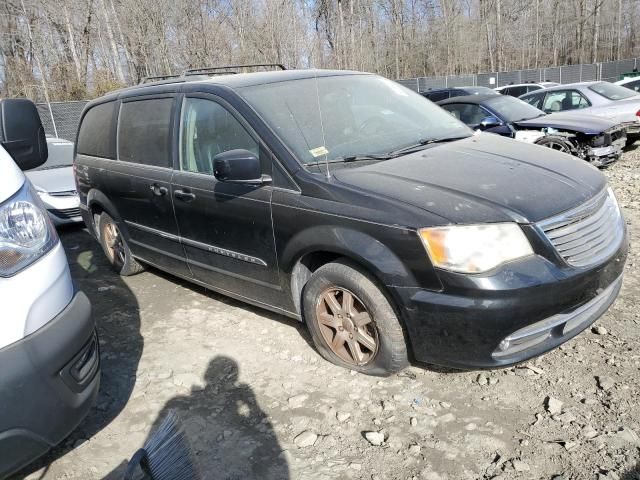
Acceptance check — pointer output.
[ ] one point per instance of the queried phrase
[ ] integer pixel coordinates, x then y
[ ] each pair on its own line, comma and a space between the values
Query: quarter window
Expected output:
207, 130
97, 135
144, 134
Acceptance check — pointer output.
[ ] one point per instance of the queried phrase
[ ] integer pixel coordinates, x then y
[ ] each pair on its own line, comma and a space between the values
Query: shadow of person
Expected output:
117, 315
230, 436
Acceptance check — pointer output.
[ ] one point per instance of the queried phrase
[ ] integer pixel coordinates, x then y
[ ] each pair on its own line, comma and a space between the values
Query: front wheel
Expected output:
555, 143
352, 322
115, 247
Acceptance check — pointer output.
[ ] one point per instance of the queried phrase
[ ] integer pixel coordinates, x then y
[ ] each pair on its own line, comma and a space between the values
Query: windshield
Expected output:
341, 117
512, 109
60, 154
611, 91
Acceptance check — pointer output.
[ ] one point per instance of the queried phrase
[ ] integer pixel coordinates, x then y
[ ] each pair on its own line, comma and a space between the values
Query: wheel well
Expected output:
310, 262
303, 269
96, 210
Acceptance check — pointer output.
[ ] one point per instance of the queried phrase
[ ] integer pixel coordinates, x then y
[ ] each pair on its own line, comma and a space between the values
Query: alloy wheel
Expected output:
347, 326
113, 243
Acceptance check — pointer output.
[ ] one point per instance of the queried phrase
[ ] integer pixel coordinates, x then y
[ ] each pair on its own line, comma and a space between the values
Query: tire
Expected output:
630, 141
115, 247
368, 335
555, 143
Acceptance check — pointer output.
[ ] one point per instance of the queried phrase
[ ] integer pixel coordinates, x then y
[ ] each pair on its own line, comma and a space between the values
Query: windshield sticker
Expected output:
316, 152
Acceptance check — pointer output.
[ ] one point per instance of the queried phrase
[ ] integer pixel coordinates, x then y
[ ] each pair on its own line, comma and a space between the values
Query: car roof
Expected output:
239, 80
477, 99
627, 80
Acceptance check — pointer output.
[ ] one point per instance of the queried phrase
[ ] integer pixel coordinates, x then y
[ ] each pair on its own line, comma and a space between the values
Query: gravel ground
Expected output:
258, 402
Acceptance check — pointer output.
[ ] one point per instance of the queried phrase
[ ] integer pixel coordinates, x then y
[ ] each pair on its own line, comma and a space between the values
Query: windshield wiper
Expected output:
361, 157
423, 143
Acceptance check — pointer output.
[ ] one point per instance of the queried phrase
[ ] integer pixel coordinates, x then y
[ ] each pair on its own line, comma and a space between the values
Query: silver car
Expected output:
55, 184
604, 99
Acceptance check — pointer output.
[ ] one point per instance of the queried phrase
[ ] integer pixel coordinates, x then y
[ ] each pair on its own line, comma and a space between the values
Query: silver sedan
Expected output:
604, 99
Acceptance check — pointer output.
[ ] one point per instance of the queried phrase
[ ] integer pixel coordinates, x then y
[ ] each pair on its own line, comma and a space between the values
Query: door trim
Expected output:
203, 246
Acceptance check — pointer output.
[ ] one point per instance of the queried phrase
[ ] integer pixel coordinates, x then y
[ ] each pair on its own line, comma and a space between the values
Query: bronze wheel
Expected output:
346, 326
114, 248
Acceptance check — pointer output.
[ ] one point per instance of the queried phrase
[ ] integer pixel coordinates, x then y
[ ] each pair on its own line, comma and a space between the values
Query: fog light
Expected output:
504, 344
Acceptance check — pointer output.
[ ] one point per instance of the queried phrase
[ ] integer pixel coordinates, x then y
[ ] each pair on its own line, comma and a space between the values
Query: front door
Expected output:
226, 228
140, 181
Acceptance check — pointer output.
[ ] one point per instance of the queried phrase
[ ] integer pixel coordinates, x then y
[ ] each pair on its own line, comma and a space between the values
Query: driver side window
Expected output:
469, 114
207, 129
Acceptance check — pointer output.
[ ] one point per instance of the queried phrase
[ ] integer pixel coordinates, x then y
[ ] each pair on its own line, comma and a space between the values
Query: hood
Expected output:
52, 180
12, 177
576, 122
484, 178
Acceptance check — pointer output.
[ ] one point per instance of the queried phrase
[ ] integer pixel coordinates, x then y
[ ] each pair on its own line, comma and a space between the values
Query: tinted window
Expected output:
207, 130
144, 132
533, 88
436, 96
97, 135
516, 91
634, 85
611, 91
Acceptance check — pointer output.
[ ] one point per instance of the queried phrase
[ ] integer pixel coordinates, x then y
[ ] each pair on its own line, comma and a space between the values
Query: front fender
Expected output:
96, 198
362, 248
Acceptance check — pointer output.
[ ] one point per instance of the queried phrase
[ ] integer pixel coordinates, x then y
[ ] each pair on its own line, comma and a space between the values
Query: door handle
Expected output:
158, 190
184, 195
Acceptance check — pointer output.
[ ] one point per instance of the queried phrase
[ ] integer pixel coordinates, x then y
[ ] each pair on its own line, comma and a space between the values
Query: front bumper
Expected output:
48, 382
632, 128
532, 300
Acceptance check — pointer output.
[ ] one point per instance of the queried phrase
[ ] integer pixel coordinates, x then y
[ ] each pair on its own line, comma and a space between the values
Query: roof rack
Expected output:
154, 78
209, 71
224, 70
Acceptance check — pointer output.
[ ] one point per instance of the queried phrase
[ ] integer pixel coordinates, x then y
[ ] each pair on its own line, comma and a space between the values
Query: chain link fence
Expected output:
609, 71
61, 119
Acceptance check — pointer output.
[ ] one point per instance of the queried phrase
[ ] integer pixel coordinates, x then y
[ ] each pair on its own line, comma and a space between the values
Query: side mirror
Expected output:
238, 166
489, 122
22, 133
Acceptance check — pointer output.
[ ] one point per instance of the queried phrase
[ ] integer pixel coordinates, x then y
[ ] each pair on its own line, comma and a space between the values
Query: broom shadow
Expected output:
230, 436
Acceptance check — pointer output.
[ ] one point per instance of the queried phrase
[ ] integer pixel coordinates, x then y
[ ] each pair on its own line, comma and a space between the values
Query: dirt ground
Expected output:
248, 383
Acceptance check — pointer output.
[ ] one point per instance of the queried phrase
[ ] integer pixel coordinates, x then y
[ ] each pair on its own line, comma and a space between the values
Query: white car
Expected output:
515, 90
55, 184
48, 345
603, 99
632, 83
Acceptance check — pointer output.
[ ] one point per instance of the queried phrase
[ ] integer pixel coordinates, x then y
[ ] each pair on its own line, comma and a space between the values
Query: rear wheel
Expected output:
351, 321
115, 247
556, 143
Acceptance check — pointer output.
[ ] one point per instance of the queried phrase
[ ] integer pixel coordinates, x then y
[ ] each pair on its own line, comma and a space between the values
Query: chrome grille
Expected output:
588, 234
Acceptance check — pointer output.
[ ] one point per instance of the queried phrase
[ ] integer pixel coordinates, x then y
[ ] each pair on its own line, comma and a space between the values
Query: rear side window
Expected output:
436, 96
144, 134
97, 135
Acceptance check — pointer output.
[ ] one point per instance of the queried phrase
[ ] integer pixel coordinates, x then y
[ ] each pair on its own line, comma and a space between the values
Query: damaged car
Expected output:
595, 139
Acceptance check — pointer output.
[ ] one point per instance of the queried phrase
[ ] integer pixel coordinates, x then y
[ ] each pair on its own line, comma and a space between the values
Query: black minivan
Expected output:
353, 204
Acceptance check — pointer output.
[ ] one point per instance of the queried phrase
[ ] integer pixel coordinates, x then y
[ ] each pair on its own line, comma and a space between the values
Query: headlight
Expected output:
598, 141
474, 248
26, 233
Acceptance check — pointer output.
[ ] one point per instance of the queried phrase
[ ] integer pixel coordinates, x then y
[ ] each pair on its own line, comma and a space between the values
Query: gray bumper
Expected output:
48, 382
